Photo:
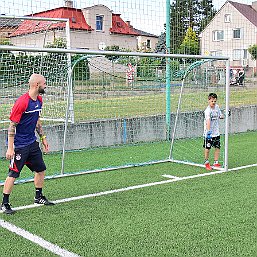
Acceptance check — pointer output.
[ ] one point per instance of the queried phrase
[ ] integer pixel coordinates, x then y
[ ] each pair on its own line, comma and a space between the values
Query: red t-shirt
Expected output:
26, 112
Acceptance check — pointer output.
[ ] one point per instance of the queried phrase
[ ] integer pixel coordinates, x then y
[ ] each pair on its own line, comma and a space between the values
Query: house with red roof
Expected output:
230, 33
93, 28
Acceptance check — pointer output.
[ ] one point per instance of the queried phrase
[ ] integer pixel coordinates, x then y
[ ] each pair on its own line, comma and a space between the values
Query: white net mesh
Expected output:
202, 78
120, 100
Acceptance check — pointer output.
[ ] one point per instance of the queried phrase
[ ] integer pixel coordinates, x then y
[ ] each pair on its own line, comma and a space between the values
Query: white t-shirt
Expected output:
212, 114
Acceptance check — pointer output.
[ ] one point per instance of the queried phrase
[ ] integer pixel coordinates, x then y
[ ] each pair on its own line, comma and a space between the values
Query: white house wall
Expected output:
142, 42
38, 39
227, 45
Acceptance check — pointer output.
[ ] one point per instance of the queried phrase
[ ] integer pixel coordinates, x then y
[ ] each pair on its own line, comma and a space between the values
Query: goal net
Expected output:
128, 117
198, 80
120, 111
16, 66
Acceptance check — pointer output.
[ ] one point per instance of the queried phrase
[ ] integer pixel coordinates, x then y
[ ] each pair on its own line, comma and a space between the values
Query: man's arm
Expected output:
11, 135
42, 136
39, 128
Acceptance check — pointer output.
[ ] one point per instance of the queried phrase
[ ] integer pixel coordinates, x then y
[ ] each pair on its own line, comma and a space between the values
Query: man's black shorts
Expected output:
213, 142
31, 156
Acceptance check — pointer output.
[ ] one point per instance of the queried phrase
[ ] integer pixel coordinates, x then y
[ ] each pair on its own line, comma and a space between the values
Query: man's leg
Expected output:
39, 184
8, 186
39, 179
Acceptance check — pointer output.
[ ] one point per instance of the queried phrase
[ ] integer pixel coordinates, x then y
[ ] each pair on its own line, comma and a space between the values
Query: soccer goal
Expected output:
128, 118
127, 111
198, 80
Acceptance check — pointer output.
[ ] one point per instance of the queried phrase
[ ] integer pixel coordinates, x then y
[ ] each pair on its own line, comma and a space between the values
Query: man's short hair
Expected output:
212, 95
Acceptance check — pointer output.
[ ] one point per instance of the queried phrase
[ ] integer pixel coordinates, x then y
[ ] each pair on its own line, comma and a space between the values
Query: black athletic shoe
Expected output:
42, 200
6, 208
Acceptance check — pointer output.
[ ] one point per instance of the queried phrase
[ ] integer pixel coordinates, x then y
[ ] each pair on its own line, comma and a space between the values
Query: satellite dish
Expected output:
101, 46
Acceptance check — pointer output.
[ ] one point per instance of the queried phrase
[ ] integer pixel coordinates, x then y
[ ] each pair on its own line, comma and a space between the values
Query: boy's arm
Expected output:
208, 124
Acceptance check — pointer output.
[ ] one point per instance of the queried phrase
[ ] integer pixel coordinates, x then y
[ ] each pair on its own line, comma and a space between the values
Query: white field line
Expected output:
243, 167
37, 240
170, 176
174, 179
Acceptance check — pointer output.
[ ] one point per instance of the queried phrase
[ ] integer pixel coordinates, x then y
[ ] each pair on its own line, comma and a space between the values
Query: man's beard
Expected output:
41, 91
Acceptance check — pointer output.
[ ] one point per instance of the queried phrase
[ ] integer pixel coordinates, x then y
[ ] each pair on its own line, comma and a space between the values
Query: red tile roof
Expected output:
76, 18
247, 10
121, 27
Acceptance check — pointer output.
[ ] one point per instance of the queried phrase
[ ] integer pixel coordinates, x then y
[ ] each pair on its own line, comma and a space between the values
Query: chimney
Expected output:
128, 23
69, 3
254, 5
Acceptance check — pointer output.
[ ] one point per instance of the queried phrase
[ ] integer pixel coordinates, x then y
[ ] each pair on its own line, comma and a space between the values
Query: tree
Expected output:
185, 14
253, 51
190, 44
112, 48
161, 44
206, 12
57, 43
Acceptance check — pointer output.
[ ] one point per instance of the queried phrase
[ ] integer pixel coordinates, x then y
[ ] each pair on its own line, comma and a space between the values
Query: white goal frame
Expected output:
92, 52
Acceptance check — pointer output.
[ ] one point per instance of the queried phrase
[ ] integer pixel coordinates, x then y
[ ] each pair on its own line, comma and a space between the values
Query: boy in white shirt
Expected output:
212, 114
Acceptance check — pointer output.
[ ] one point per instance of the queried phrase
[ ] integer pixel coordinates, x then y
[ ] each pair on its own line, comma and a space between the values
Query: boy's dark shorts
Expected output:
213, 142
31, 156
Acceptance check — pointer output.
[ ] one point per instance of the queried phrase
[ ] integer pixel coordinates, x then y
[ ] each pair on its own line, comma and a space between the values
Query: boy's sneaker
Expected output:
42, 200
216, 165
6, 208
208, 166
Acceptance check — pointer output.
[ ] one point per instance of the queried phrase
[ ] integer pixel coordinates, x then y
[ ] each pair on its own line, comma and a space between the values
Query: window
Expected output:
237, 33
216, 53
148, 43
227, 18
99, 22
245, 53
218, 35
239, 54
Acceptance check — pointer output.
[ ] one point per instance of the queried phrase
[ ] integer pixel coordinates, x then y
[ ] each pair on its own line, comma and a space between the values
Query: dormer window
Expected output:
73, 20
119, 24
99, 22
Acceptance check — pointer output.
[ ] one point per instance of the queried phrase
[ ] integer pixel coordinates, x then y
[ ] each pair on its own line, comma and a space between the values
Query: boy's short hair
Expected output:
212, 95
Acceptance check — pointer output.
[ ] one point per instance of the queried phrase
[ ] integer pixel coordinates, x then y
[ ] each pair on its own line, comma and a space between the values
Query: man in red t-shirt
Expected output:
23, 148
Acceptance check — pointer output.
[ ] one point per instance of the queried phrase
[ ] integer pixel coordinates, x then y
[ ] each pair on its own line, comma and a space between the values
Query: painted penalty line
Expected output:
171, 180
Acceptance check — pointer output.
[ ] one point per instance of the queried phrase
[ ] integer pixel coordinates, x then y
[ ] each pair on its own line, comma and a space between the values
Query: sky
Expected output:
146, 15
